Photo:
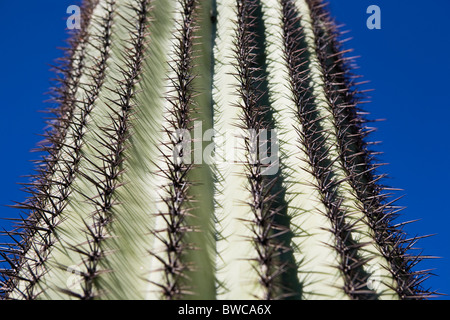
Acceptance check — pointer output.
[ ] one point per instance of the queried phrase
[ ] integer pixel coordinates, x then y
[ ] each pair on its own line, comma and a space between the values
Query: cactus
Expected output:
141, 196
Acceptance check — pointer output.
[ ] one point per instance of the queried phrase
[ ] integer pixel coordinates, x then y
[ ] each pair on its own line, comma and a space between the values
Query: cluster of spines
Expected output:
33, 236
313, 142
358, 160
67, 121
174, 284
85, 104
256, 117
113, 139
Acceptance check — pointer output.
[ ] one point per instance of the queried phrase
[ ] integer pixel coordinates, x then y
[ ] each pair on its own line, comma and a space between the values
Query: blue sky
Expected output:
407, 62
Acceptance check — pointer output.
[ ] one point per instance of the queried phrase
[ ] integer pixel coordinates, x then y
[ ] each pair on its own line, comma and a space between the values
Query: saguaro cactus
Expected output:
208, 150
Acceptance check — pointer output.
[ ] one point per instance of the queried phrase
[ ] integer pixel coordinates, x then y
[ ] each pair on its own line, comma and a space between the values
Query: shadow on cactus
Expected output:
208, 150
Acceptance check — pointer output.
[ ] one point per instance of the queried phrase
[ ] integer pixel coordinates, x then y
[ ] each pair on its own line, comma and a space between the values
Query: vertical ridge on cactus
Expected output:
208, 150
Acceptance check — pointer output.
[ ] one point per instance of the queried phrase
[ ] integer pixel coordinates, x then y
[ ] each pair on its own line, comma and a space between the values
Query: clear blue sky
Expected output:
407, 62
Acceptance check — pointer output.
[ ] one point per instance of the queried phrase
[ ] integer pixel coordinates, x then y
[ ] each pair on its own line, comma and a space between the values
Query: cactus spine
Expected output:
117, 212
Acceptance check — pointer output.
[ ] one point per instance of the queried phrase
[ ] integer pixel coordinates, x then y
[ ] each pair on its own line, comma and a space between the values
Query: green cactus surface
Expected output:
211, 149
